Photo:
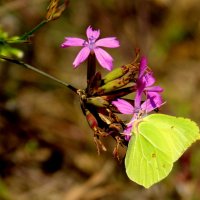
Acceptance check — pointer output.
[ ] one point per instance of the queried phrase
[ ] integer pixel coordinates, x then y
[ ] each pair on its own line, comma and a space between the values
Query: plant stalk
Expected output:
40, 72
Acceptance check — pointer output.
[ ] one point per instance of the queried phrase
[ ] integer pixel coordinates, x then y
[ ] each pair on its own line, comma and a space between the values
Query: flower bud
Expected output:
91, 120
116, 73
54, 11
97, 101
117, 83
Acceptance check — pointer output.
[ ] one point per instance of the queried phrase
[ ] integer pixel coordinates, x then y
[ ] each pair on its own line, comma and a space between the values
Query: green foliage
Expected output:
158, 140
5, 48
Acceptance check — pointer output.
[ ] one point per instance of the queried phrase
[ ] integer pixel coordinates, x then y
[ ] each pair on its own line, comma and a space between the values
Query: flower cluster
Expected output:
103, 99
144, 85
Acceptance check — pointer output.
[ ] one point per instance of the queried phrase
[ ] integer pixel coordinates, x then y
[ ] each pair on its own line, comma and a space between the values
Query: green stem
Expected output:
40, 72
16, 41
26, 35
91, 70
91, 67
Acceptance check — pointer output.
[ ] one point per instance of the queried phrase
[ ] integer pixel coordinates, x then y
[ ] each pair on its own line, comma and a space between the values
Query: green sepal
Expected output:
117, 83
116, 73
97, 101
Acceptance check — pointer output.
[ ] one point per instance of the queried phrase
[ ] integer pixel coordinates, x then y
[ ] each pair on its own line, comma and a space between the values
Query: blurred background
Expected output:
46, 147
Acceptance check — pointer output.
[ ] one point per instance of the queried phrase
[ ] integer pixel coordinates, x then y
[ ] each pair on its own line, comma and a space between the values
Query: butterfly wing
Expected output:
157, 142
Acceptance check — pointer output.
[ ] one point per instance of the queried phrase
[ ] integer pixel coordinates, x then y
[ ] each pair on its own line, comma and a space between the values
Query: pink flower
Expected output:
144, 84
147, 106
92, 45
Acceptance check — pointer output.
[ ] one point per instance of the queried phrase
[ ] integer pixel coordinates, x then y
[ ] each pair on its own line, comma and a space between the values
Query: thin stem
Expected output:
91, 70
40, 72
16, 41
91, 67
26, 35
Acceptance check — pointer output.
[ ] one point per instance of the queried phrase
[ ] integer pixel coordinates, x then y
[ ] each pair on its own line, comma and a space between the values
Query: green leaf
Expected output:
157, 141
5, 48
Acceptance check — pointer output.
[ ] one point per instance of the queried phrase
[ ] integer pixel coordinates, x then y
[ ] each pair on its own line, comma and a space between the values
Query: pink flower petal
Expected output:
154, 101
72, 41
127, 132
104, 59
92, 34
82, 55
143, 66
123, 106
154, 89
109, 42
138, 96
148, 79
147, 106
